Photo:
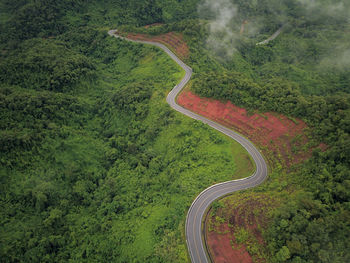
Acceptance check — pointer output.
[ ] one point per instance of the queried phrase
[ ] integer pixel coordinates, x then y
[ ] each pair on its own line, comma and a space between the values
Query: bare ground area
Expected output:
222, 248
280, 138
172, 40
234, 231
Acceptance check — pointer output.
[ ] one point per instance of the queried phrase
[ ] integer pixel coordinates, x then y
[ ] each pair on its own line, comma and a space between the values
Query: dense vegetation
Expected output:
300, 74
96, 167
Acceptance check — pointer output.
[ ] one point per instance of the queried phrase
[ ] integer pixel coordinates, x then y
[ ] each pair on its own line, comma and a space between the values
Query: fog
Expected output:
222, 33
225, 21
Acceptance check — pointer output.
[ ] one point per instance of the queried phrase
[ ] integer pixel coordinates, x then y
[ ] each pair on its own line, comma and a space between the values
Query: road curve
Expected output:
194, 235
274, 35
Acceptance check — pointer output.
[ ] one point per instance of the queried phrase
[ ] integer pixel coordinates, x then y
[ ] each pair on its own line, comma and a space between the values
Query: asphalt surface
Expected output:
274, 35
194, 234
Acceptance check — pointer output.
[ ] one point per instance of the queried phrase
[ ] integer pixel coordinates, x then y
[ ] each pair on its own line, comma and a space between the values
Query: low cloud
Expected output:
225, 21
222, 32
323, 7
340, 60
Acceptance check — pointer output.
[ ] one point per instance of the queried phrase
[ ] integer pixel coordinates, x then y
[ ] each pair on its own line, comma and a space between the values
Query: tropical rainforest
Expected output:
96, 167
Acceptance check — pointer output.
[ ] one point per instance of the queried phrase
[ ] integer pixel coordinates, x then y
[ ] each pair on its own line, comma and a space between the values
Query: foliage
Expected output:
96, 167
45, 65
294, 75
94, 163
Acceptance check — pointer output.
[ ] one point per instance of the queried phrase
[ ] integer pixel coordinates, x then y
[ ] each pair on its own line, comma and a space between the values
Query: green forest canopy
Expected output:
96, 167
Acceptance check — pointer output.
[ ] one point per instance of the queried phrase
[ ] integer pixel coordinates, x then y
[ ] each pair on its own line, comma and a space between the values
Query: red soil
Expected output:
173, 40
221, 249
276, 133
250, 213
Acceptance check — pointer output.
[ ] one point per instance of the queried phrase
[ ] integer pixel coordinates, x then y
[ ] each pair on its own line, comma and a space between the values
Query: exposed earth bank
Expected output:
279, 137
172, 40
234, 228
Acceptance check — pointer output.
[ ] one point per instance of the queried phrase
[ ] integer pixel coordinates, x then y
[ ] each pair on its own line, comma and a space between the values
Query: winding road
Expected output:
194, 234
274, 35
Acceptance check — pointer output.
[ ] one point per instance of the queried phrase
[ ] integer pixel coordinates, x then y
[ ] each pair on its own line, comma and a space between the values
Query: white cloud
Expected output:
222, 36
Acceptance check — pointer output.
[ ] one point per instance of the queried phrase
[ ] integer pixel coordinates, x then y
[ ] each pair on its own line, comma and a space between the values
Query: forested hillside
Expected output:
96, 167
303, 73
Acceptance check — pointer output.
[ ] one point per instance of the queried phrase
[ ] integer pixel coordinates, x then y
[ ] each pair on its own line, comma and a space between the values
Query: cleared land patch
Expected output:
235, 228
172, 40
280, 137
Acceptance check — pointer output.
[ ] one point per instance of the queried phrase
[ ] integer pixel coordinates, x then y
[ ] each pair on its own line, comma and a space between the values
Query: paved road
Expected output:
274, 35
196, 213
